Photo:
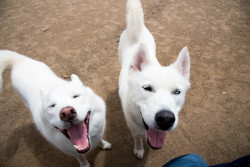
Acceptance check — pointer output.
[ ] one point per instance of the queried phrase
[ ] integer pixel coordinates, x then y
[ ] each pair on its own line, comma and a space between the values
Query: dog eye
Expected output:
76, 96
52, 105
148, 88
176, 92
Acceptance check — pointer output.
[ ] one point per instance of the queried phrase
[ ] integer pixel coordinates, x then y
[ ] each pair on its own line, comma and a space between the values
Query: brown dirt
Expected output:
213, 124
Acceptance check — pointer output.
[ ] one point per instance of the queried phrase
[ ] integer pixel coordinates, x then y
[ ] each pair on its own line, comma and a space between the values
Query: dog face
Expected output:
68, 109
159, 93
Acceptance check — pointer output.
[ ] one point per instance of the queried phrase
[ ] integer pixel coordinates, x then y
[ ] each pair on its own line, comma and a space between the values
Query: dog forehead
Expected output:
161, 76
67, 89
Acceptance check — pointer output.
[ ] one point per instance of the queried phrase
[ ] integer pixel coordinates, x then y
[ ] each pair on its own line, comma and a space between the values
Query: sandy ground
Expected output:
82, 38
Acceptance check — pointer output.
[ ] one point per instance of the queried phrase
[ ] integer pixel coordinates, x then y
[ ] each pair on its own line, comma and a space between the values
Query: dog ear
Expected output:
76, 79
182, 64
140, 59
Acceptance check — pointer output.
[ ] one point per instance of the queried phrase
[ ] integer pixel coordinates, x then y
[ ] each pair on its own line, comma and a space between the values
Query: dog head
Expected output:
67, 107
159, 92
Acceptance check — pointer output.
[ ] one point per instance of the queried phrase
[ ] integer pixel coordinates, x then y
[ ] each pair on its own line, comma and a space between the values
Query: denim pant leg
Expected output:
189, 160
241, 162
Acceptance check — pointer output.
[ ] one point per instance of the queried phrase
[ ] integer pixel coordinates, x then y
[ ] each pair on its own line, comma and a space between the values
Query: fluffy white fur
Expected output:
140, 70
45, 95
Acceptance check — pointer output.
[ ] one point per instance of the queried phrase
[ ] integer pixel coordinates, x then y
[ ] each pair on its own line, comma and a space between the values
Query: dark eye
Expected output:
52, 105
76, 96
148, 88
176, 92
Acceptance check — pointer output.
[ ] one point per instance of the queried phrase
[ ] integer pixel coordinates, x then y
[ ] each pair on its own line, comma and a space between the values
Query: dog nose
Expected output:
67, 113
164, 119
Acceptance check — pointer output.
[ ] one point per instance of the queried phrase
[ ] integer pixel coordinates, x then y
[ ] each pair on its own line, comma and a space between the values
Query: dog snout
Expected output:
165, 119
67, 113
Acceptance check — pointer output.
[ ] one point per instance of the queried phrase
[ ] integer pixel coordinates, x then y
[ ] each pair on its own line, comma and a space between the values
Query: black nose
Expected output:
164, 119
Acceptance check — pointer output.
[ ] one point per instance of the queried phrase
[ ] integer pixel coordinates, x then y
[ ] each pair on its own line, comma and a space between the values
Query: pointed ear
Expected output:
76, 79
140, 59
182, 64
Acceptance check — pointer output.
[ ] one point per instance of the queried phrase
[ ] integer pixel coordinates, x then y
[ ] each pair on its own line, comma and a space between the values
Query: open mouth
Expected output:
78, 135
155, 138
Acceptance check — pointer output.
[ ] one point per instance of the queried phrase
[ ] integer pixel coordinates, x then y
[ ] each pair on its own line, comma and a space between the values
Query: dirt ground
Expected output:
82, 37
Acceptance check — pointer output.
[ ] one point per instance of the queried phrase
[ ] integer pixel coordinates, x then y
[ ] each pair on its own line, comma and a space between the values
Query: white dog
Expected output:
67, 113
151, 95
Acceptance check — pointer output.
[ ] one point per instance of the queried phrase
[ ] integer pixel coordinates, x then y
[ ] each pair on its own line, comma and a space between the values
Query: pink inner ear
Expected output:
140, 60
184, 66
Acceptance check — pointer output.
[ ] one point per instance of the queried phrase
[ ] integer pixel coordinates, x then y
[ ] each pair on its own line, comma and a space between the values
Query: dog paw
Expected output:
139, 153
105, 145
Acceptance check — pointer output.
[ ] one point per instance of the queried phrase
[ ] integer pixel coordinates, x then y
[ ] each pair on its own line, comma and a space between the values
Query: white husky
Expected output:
151, 95
67, 113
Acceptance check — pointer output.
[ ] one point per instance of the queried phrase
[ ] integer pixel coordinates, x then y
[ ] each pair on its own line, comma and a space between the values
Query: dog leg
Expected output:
138, 147
82, 160
105, 145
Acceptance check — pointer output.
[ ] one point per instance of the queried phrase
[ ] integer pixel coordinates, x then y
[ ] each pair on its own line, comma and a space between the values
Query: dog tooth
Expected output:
75, 146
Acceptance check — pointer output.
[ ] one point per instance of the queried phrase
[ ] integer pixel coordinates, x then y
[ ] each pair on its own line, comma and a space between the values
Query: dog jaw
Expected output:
78, 134
155, 138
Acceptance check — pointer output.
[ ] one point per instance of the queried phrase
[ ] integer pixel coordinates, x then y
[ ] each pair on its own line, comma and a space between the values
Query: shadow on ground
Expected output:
120, 136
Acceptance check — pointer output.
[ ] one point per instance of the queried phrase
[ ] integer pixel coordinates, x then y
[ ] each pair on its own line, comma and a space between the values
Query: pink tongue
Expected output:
78, 136
156, 138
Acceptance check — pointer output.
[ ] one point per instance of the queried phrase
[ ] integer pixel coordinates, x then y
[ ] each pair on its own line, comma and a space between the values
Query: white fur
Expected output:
39, 87
139, 67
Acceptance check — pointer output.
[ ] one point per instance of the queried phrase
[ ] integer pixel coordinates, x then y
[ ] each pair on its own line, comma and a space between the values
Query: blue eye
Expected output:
176, 92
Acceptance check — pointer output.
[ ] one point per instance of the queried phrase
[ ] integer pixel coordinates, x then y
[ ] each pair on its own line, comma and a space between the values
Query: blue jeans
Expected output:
189, 160
194, 160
